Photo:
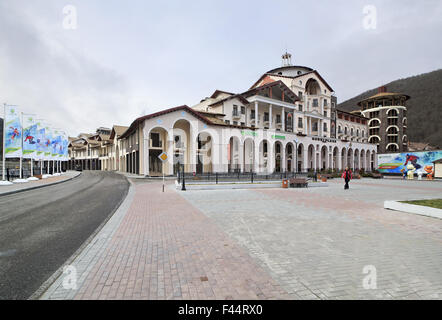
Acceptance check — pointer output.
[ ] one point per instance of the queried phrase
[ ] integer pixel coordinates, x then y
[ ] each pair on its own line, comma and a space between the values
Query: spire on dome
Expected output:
286, 59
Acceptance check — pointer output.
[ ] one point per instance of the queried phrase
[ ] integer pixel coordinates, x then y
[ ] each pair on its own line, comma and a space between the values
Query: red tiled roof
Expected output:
137, 121
294, 77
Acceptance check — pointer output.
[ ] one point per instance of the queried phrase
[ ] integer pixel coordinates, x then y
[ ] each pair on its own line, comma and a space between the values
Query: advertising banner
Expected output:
13, 133
422, 161
55, 144
48, 143
29, 136
40, 139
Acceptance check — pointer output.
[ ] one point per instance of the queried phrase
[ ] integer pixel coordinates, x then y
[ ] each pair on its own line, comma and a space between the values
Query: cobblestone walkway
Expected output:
167, 249
264, 244
316, 242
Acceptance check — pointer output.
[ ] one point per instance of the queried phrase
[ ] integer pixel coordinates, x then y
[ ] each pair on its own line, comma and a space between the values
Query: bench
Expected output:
298, 183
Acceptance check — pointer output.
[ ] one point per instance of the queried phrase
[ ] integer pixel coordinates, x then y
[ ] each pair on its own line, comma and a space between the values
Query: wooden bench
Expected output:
298, 183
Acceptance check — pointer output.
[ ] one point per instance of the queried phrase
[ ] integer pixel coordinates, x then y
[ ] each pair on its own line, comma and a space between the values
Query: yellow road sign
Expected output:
163, 157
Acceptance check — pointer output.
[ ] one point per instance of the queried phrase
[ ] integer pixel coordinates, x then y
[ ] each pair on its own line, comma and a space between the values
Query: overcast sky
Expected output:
128, 58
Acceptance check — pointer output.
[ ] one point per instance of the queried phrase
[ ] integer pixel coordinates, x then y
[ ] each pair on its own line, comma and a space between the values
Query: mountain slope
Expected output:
424, 107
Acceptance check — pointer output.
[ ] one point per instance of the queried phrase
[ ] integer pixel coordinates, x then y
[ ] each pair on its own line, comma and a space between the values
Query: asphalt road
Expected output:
40, 229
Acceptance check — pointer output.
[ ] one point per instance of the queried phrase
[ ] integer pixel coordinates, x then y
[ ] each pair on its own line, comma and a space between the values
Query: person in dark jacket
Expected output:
347, 175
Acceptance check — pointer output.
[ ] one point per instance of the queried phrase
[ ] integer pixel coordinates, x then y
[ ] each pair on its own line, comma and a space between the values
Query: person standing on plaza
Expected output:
347, 176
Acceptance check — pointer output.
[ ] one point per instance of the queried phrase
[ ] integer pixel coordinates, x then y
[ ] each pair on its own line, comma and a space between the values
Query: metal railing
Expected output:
251, 177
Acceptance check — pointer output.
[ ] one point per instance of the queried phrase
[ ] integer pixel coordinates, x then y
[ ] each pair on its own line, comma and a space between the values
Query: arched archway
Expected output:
181, 145
204, 153
158, 143
350, 158
335, 160
362, 166
324, 158
367, 160
356, 159
343, 158
289, 157
279, 157
300, 158
264, 153
249, 154
311, 157
234, 154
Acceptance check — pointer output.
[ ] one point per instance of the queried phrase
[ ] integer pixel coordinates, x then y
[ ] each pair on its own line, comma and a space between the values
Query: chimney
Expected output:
382, 89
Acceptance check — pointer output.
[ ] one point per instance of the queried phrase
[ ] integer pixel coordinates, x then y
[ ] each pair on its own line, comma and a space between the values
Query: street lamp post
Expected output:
183, 183
296, 153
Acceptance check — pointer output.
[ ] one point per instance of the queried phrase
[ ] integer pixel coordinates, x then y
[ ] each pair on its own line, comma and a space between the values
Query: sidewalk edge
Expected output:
38, 187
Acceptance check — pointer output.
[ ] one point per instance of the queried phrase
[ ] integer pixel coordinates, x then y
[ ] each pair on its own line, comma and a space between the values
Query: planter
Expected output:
324, 179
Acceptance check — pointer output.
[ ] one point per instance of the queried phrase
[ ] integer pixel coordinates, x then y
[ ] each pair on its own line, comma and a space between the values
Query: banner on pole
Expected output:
40, 139
29, 136
13, 132
47, 143
55, 144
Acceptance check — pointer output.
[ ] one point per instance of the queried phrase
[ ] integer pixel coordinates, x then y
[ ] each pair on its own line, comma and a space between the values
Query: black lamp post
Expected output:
183, 183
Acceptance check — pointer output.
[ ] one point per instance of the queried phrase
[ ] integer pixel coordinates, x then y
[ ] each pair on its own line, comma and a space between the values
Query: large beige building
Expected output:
286, 121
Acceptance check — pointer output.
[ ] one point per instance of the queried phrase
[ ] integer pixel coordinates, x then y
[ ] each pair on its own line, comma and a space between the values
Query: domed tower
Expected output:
388, 120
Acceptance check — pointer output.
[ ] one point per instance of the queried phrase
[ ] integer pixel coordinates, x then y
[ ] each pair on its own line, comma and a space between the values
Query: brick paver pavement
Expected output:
167, 249
316, 242
264, 244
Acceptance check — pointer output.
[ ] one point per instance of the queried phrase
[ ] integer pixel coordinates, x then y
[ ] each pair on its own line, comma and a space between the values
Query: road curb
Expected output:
414, 209
54, 277
38, 187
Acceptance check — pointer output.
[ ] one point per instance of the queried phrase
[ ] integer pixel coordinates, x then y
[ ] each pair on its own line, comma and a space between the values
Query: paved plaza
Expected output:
264, 244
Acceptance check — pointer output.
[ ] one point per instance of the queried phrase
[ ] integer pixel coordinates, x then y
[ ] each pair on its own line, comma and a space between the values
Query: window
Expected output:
345, 130
300, 94
300, 107
357, 132
339, 129
278, 118
243, 110
325, 102
227, 121
351, 131
252, 114
235, 110
325, 126
155, 137
243, 123
315, 126
299, 122
266, 116
235, 123
315, 103
325, 114
264, 146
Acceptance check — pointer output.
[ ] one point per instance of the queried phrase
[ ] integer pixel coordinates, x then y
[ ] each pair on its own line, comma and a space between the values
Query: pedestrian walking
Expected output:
347, 175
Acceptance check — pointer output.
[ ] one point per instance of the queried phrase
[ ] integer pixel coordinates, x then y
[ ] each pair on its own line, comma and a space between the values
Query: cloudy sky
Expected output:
128, 58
